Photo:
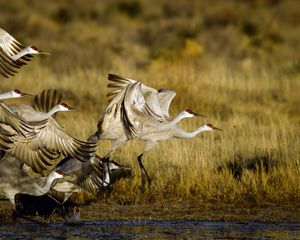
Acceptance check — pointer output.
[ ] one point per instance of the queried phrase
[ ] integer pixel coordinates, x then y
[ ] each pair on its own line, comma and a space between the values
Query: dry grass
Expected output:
243, 73
255, 158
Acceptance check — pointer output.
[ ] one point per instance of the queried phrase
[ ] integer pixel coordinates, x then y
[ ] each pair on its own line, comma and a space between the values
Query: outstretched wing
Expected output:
56, 139
46, 100
118, 83
39, 150
8, 67
88, 175
9, 47
147, 97
165, 97
9, 44
18, 124
134, 102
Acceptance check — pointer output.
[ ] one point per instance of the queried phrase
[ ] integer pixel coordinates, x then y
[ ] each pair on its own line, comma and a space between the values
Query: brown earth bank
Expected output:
193, 211
177, 211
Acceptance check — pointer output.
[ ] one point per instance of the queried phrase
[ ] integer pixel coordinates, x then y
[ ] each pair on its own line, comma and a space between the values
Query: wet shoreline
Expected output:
182, 211
193, 212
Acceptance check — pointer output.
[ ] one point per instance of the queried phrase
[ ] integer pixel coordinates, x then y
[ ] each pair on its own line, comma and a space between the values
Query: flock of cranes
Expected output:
38, 154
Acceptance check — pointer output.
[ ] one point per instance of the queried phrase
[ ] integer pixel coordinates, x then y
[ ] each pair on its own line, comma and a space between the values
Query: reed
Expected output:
249, 88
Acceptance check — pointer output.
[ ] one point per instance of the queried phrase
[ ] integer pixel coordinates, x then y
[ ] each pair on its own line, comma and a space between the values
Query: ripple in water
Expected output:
154, 229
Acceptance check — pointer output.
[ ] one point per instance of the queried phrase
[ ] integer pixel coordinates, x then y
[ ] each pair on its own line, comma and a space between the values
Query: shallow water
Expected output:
154, 230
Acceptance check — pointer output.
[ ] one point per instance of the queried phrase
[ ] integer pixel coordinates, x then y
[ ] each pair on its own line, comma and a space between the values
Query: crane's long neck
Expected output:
48, 182
52, 111
43, 116
172, 123
180, 133
6, 95
20, 54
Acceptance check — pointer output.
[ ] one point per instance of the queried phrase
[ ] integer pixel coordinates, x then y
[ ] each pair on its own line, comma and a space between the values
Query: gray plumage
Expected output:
13, 54
139, 112
92, 176
14, 180
49, 142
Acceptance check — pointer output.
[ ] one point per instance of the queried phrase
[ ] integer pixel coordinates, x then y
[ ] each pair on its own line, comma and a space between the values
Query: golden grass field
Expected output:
241, 68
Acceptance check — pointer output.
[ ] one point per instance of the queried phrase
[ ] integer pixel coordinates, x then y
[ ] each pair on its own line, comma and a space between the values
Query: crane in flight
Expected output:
93, 175
13, 180
140, 112
11, 124
41, 149
13, 54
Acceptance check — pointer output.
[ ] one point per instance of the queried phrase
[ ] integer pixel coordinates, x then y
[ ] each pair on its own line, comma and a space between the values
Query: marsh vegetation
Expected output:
235, 61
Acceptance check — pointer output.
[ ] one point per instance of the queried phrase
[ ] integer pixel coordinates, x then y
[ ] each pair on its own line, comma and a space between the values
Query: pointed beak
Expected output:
215, 128
73, 108
45, 53
199, 115
26, 94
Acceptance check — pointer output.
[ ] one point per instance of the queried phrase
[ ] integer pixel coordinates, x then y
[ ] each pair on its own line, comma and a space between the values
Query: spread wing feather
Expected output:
46, 100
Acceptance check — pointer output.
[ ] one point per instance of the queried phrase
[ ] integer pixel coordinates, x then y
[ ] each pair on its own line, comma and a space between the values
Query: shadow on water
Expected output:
154, 229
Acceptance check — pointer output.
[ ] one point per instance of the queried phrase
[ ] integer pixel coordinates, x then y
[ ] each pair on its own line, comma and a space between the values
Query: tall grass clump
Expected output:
256, 157
240, 69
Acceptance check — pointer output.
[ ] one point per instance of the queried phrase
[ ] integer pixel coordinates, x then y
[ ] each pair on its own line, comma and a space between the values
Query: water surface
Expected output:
154, 230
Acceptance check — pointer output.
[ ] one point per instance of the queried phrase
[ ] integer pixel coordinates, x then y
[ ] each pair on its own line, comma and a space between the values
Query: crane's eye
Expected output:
189, 111
34, 48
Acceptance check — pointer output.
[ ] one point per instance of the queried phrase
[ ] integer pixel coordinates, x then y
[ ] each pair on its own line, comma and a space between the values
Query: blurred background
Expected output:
236, 61
102, 34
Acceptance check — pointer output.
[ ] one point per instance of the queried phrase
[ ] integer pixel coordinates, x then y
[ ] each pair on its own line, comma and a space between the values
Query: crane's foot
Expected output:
139, 158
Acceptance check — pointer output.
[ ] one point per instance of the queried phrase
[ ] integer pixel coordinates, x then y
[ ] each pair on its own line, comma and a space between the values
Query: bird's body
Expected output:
92, 176
14, 180
11, 124
135, 110
140, 112
48, 142
37, 152
13, 54
6, 115
28, 113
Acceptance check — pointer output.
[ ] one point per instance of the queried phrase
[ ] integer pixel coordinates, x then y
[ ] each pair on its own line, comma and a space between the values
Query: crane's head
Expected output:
59, 172
54, 174
210, 127
35, 50
63, 107
16, 93
188, 113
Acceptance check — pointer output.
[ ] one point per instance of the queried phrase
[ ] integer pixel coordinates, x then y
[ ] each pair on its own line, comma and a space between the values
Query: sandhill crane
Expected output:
14, 180
15, 93
48, 143
11, 120
116, 122
13, 54
152, 138
7, 116
92, 176
139, 112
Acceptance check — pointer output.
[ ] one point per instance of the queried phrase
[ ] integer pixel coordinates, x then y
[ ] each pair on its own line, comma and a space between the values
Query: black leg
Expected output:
139, 158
